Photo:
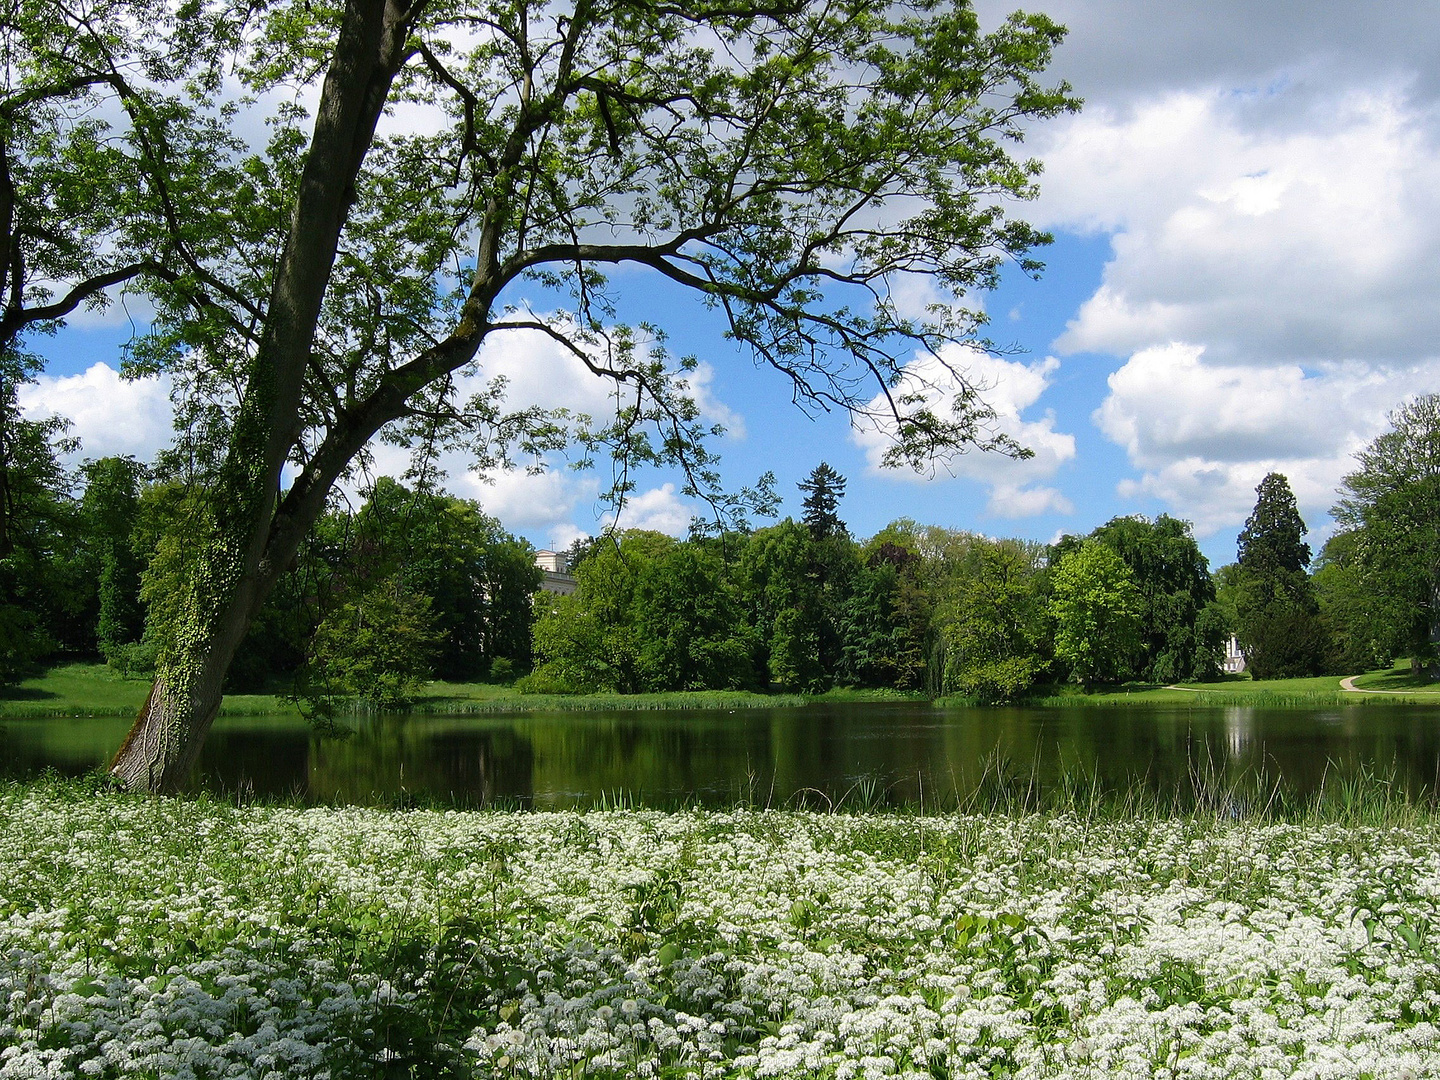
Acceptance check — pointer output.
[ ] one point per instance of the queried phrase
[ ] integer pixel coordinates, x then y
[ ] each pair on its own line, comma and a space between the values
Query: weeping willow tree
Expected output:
791, 164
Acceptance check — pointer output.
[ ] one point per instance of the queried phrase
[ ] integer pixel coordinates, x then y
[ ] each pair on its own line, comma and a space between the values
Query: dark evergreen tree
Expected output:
1279, 624
109, 509
1272, 541
40, 593
824, 488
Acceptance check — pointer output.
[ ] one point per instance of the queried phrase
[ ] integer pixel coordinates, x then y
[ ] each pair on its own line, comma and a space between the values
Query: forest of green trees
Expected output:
415, 584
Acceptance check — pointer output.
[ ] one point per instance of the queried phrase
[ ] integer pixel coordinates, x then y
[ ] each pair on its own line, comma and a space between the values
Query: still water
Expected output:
818, 755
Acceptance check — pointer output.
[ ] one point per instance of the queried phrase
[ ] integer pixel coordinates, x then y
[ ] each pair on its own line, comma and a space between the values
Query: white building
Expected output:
1234, 658
556, 567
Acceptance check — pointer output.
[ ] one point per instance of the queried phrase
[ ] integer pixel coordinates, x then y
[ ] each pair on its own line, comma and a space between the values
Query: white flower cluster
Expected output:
144, 938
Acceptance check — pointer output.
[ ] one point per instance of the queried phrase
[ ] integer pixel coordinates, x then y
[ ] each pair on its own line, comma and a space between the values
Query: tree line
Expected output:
415, 584
410, 585
805, 606
915, 607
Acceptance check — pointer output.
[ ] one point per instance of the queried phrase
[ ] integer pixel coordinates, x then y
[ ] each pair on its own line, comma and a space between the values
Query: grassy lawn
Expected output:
461, 699
150, 938
1229, 689
95, 690
1243, 690
1399, 678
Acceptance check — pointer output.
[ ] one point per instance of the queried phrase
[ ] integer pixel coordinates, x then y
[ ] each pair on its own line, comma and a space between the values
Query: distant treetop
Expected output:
1271, 540
824, 488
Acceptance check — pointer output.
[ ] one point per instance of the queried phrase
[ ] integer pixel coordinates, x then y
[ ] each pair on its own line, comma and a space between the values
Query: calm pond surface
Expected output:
894, 754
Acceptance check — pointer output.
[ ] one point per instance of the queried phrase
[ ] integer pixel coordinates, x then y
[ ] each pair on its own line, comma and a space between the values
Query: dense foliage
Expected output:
1097, 611
413, 585
803, 606
416, 584
1388, 557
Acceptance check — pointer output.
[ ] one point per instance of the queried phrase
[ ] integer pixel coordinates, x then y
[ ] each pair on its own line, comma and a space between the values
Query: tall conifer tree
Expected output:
1280, 629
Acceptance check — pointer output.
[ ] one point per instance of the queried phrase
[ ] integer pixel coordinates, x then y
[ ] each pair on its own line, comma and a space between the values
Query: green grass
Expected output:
464, 699
1321, 690
95, 690
844, 694
79, 689
1398, 678
74, 690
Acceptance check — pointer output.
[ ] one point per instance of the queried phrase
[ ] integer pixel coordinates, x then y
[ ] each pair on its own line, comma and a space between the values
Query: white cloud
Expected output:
562, 536
1203, 435
660, 509
1010, 387
527, 501
1011, 500
1274, 280
110, 415
699, 385
1120, 49
1315, 241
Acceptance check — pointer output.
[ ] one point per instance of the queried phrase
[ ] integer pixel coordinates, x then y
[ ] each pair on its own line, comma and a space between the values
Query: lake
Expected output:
817, 755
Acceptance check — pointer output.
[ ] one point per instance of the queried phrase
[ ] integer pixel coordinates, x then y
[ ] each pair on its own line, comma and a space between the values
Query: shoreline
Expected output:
92, 690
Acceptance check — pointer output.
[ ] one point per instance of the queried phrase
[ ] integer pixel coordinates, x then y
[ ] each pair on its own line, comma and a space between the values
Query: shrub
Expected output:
546, 679
133, 660
998, 681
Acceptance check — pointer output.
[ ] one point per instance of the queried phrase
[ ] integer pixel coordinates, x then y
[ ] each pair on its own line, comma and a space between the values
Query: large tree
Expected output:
1390, 506
1278, 617
994, 622
1098, 613
1181, 631
788, 162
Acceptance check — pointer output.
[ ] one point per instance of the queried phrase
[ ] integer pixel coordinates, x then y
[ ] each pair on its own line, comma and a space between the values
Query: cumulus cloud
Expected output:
1203, 435
114, 416
109, 415
1274, 276
525, 501
1010, 387
1122, 49
559, 503
1320, 243
660, 509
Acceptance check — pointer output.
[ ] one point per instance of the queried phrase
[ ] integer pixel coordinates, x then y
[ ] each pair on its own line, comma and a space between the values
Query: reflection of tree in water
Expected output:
786, 757
822, 755
257, 757
71, 747
464, 763
662, 759
1181, 755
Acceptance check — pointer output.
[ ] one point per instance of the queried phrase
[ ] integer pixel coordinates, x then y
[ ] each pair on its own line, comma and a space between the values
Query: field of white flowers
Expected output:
174, 938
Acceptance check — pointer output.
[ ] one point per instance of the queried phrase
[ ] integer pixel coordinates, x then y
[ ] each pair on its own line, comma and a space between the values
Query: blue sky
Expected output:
1246, 277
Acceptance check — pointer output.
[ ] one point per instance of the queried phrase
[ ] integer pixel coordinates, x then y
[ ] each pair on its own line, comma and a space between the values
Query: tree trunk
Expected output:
237, 539
164, 744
